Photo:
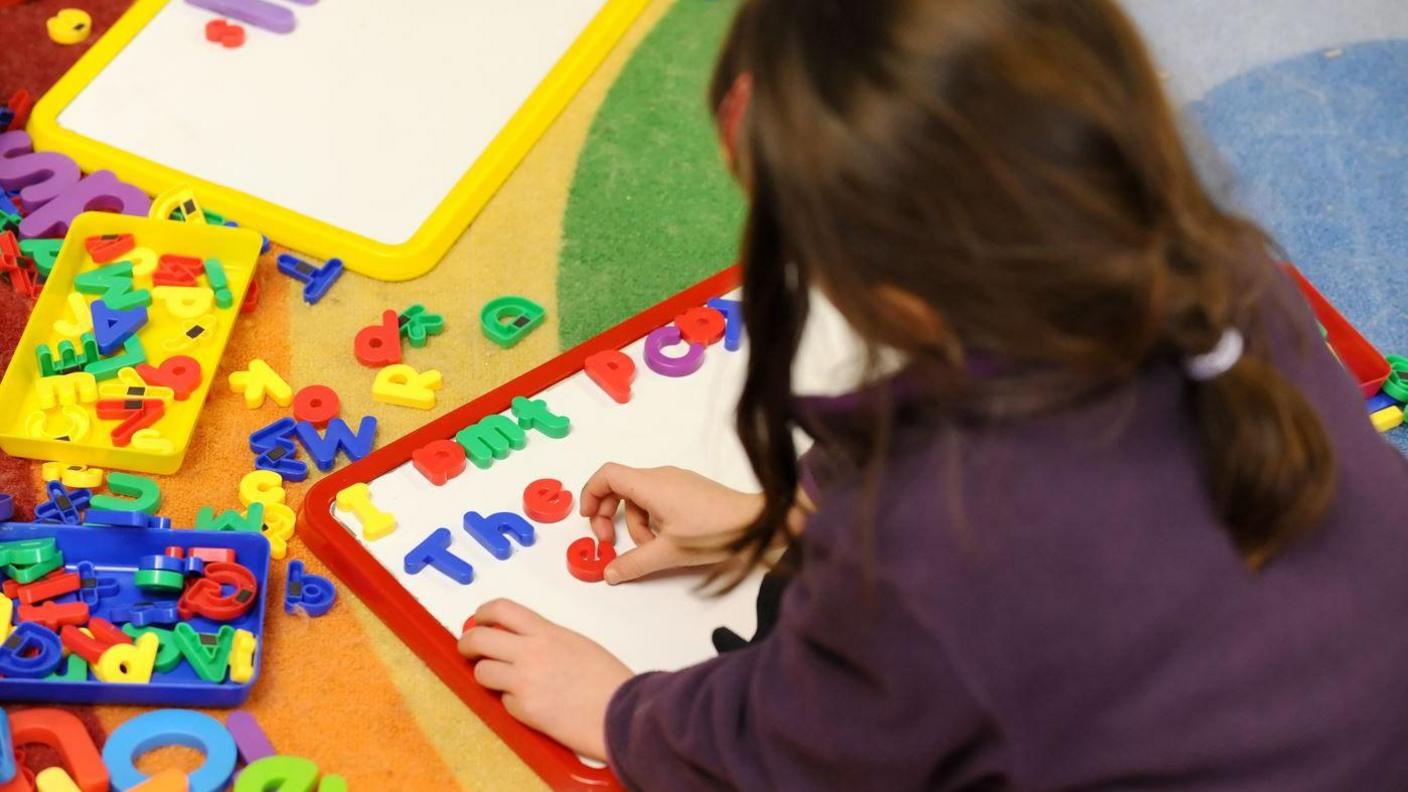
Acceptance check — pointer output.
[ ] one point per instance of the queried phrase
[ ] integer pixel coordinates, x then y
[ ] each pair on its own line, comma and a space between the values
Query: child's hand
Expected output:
677, 518
553, 679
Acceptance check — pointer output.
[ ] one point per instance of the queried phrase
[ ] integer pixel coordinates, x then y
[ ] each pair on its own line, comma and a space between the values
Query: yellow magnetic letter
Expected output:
130, 385
143, 265
150, 439
72, 428
259, 381
55, 779
131, 663
82, 318
358, 500
186, 302
79, 387
262, 486
7, 612
80, 476
403, 385
242, 657
278, 527
182, 198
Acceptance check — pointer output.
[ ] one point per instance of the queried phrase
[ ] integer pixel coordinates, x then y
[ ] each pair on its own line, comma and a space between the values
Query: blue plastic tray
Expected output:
115, 551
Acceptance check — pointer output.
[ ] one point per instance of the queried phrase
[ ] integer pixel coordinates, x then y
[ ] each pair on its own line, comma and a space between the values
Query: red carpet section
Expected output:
14, 473
28, 59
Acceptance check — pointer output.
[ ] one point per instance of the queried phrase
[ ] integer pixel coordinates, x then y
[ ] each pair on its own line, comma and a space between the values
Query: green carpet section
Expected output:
652, 209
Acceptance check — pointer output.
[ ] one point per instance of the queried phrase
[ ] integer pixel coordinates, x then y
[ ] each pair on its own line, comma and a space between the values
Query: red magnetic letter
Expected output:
546, 501
316, 404
587, 559
181, 374
205, 596
379, 344
701, 325
439, 461
55, 614
66, 734
613, 371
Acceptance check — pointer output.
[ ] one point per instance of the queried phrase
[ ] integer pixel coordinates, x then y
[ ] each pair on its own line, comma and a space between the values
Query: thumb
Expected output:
641, 561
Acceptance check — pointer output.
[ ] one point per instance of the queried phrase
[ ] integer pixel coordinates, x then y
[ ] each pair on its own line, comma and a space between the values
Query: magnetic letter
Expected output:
492, 438
493, 532
612, 370
439, 461
534, 414
733, 314
434, 551
660, 363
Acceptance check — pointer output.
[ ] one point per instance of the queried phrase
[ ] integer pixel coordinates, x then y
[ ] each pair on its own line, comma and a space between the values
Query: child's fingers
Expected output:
603, 522
610, 480
596, 488
643, 560
638, 523
494, 674
490, 642
599, 502
509, 614
514, 705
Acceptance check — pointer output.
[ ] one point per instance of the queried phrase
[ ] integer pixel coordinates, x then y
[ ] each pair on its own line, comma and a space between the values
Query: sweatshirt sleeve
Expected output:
852, 691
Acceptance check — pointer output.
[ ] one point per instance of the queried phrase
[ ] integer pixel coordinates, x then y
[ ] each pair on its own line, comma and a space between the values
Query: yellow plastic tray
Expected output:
237, 250
380, 260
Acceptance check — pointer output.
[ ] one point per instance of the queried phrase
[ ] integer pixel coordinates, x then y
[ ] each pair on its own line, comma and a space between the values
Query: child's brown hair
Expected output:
1014, 166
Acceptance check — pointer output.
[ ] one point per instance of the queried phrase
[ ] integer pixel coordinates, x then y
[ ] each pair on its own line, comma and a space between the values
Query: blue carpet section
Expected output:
1319, 147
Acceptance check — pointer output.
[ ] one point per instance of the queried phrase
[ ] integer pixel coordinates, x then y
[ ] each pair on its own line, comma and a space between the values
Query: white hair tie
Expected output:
1213, 364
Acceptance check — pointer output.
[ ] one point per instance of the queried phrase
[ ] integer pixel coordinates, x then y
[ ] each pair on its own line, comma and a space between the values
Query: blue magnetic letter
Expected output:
493, 532
434, 550
31, 652
338, 436
733, 317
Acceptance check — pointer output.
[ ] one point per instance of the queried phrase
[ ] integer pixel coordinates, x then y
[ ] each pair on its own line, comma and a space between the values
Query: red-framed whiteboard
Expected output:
348, 558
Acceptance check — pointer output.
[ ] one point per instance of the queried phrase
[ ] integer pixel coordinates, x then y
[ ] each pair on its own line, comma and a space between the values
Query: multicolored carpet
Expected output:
622, 203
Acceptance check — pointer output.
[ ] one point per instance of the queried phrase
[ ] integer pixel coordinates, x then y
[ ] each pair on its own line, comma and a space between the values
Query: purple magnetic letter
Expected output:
273, 18
40, 177
660, 363
96, 192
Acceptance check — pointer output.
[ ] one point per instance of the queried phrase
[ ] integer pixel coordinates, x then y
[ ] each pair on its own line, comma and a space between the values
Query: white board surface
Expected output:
661, 623
363, 117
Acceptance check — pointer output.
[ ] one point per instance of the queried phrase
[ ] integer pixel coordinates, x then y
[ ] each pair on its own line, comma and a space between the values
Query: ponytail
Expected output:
1270, 465
1267, 456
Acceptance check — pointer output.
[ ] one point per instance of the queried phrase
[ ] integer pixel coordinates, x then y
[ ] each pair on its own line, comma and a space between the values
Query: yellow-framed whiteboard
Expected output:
374, 132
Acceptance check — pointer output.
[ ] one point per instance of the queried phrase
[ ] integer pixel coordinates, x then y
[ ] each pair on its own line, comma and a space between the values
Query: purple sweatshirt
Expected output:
1056, 607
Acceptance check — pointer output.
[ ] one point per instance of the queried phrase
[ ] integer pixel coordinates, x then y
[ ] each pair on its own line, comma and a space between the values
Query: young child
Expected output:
1119, 522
